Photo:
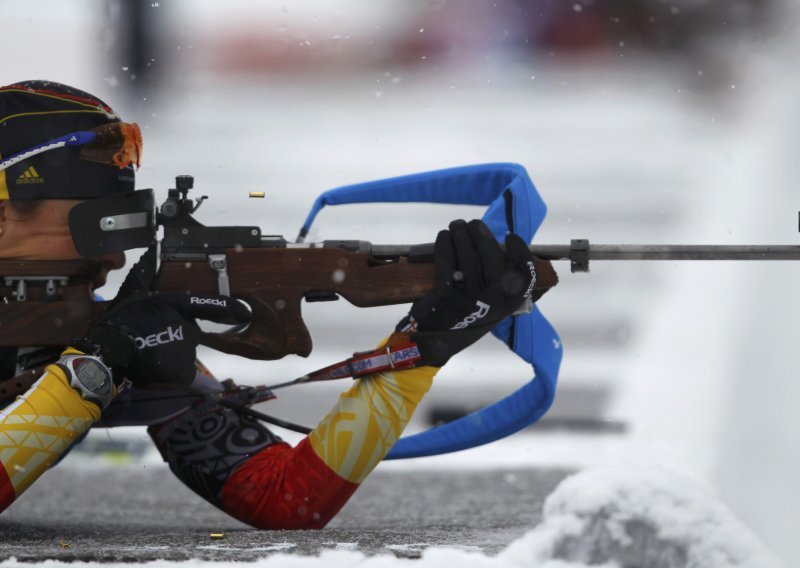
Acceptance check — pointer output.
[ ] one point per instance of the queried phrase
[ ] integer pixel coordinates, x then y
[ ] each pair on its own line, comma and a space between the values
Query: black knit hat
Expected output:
35, 112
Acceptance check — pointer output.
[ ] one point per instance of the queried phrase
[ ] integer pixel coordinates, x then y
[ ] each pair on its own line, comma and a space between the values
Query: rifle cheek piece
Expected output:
114, 223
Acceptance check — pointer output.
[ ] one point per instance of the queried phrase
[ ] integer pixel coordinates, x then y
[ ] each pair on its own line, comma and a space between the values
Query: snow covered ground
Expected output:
693, 362
631, 516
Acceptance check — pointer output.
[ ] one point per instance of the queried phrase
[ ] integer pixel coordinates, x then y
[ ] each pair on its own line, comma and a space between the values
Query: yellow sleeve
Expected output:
368, 419
37, 428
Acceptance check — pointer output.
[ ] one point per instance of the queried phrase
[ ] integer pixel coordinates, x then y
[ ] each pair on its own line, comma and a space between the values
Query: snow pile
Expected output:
620, 517
637, 516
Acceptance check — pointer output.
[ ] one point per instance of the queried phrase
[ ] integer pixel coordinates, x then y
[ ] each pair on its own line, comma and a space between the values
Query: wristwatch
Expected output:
90, 377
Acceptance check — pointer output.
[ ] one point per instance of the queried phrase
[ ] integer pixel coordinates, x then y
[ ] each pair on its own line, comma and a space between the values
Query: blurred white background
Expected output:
640, 121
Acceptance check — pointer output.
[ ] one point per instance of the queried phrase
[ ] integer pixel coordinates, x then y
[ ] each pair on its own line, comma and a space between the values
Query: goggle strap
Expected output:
71, 139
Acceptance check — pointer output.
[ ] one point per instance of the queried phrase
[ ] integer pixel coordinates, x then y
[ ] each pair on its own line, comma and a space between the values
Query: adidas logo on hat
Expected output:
30, 176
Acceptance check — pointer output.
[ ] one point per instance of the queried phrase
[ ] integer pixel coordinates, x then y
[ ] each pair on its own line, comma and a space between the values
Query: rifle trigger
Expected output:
219, 264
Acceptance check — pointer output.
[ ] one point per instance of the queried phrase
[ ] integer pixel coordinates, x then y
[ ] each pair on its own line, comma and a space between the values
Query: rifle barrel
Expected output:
580, 252
671, 252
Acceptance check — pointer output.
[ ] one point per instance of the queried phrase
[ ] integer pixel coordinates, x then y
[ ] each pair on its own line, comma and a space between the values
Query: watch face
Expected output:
92, 375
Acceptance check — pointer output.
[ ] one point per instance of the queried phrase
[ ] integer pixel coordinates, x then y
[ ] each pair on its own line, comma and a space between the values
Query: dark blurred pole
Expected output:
135, 42
139, 47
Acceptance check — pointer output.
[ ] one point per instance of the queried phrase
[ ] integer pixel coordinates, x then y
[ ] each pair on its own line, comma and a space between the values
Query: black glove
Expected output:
152, 338
477, 285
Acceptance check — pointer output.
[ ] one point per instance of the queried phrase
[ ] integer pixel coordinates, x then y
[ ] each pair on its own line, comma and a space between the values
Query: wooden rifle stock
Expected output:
274, 281
47, 302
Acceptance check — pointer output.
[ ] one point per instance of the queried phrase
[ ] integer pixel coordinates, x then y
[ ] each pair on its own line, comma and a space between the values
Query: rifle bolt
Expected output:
170, 208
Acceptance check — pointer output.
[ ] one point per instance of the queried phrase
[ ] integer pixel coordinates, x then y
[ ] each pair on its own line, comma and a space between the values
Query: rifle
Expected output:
48, 302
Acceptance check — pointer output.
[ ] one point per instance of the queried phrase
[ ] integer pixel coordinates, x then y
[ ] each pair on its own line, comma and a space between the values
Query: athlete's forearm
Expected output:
37, 429
368, 419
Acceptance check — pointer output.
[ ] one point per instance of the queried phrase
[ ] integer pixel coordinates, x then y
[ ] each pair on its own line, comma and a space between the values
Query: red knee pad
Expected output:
285, 488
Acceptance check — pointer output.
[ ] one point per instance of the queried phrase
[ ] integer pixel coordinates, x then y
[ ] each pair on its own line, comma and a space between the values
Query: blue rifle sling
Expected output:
513, 205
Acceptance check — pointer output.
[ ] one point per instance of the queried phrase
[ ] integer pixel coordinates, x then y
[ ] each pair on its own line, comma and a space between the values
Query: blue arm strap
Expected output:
514, 205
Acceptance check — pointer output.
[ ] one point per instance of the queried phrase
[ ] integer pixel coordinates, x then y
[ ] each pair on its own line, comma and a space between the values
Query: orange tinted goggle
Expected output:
116, 144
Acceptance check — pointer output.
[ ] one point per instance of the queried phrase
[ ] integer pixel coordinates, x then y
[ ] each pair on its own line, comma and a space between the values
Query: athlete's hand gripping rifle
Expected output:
48, 303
